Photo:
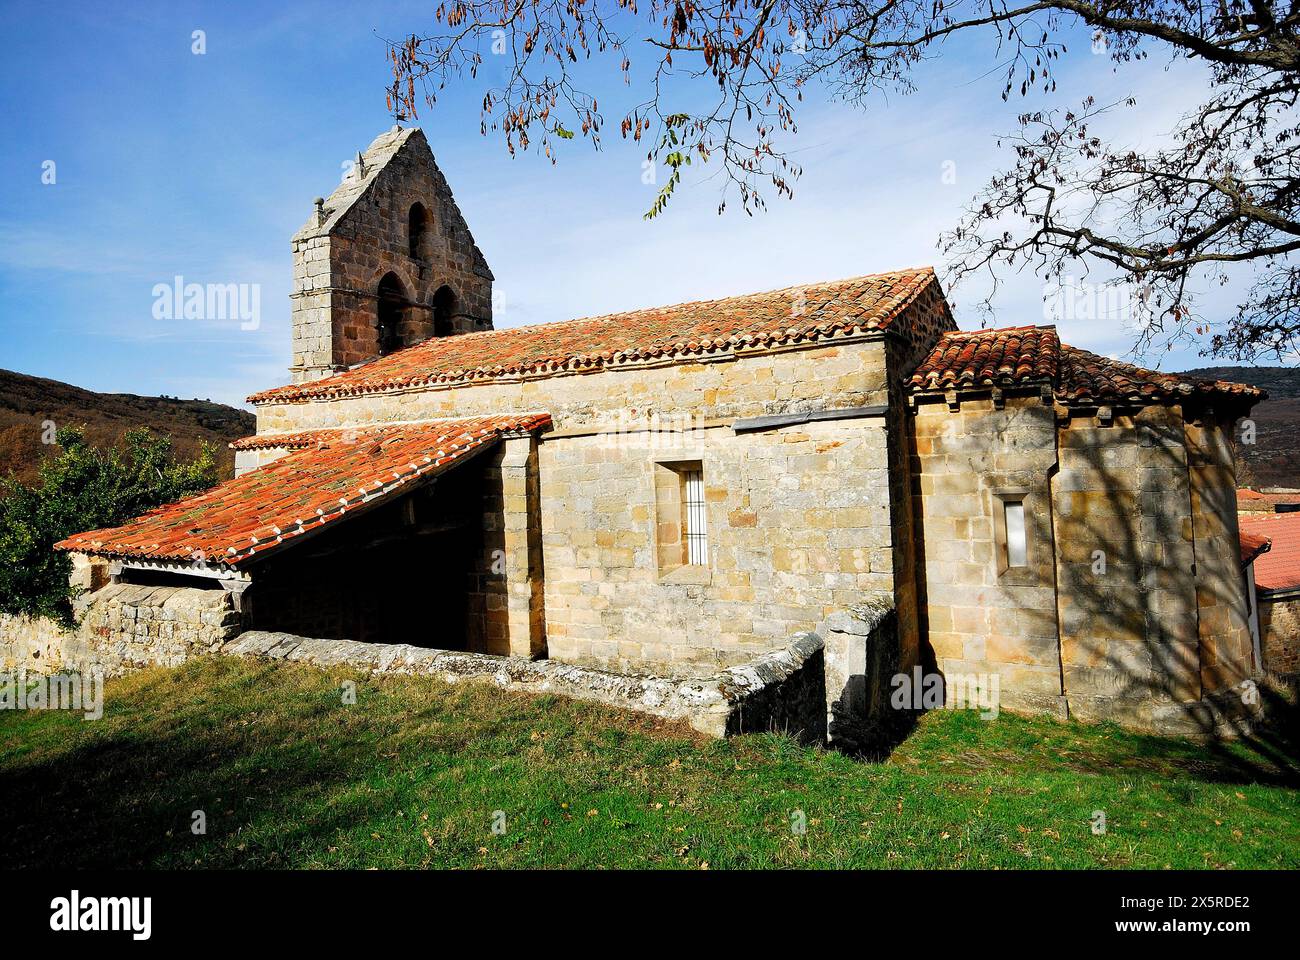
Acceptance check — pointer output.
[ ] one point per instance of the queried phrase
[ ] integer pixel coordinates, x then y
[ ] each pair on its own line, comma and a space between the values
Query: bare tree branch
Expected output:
1221, 193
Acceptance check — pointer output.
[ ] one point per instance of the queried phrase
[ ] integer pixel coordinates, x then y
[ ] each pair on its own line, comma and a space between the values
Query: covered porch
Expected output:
425, 534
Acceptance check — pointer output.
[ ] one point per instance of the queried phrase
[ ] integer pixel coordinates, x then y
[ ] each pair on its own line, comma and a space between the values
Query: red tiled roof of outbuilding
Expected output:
298, 440
1252, 545
803, 314
334, 472
1278, 569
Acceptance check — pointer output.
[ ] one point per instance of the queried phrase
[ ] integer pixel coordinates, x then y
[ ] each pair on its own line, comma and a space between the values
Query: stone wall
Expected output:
1279, 629
927, 320
798, 525
780, 691
123, 627
982, 616
1126, 572
862, 654
340, 260
1131, 605
508, 581
127, 627
849, 373
34, 644
1223, 612
799, 516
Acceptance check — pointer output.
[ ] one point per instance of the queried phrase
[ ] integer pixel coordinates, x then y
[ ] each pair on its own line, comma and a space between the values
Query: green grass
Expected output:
411, 775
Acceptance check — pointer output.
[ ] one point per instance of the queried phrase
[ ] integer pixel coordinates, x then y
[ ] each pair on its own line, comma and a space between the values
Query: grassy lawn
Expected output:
413, 773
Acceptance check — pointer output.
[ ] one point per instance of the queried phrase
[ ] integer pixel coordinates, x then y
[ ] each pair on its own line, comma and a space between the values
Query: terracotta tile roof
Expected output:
978, 358
793, 315
1023, 356
295, 441
334, 474
1279, 568
1086, 376
1252, 545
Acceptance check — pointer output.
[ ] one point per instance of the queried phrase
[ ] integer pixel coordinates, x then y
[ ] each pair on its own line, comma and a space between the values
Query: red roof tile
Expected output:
1023, 356
793, 315
1279, 568
295, 441
978, 358
334, 472
1252, 545
1086, 376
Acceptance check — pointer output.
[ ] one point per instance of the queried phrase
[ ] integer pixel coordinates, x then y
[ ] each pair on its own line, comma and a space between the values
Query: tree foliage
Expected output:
83, 488
1221, 192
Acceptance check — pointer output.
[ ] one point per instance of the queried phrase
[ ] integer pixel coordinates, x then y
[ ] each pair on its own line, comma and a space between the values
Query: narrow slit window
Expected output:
1017, 544
697, 535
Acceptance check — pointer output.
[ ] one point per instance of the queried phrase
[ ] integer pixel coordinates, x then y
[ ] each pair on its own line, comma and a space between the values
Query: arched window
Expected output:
391, 309
417, 228
444, 311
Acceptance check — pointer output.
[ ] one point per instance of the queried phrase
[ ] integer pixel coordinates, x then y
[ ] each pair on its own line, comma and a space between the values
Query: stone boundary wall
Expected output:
122, 627
862, 654
782, 690
34, 644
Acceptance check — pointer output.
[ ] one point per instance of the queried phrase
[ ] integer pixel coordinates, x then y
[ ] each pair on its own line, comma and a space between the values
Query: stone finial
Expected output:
320, 211
360, 165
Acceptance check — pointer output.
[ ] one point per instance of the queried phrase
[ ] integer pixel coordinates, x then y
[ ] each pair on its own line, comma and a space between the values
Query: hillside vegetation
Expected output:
27, 403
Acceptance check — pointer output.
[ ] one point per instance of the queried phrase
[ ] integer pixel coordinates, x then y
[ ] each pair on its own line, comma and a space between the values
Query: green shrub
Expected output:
83, 488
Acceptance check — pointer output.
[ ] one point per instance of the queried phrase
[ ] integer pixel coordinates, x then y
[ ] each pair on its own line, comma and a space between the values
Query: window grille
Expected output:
697, 535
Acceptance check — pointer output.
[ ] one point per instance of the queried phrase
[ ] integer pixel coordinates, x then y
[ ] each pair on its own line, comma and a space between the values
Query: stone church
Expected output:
678, 491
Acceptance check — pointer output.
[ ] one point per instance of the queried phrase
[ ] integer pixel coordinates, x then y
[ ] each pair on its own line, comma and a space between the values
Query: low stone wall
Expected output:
861, 657
122, 627
33, 644
781, 690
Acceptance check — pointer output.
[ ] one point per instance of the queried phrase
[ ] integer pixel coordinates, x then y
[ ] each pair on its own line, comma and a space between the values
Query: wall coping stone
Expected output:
859, 619
711, 705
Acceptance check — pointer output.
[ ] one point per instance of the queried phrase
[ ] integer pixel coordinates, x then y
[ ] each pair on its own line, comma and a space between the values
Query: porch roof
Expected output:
330, 474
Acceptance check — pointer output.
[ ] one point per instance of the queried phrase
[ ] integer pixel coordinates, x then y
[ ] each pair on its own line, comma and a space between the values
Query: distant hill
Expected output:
27, 402
1274, 459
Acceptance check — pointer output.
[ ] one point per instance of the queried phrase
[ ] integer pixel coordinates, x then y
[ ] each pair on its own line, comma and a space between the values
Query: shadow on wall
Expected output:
1150, 602
861, 658
1128, 603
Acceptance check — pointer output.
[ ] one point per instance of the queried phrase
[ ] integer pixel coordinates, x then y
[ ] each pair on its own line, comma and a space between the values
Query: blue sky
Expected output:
172, 164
